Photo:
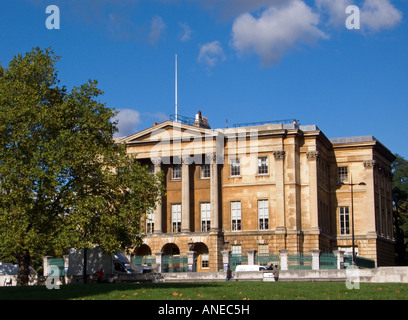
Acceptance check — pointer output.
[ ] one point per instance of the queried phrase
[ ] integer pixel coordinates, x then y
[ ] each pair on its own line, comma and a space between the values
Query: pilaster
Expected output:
158, 211
280, 187
185, 194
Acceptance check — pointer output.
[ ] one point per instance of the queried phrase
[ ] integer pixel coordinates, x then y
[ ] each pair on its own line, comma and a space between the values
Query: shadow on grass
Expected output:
104, 291
210, 291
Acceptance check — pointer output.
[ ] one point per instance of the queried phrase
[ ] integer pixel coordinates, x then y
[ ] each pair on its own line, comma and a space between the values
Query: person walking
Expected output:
229, 273
276, 272
100, 276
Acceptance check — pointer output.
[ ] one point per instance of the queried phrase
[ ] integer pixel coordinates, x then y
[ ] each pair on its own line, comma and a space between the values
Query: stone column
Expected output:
225, 259
191, 261
251, 257
315, 259
185, 195
66, 265
340, 258
159, 263
312, 157
158, 211
46, 263
283, 255
214, 191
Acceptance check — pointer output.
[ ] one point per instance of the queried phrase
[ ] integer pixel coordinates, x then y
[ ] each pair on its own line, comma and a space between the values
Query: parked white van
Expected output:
244, 267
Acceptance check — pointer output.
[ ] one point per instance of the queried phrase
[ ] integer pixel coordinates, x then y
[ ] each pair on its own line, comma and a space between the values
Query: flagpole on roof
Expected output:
176, 91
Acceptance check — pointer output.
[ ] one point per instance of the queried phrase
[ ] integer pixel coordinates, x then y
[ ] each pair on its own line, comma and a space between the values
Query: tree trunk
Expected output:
24, 260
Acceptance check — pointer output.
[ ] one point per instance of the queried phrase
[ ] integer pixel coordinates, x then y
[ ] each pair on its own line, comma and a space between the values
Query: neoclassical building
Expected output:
265, 187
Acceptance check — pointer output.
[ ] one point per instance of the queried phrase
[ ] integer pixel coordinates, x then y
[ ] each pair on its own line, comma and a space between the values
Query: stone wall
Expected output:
377, 275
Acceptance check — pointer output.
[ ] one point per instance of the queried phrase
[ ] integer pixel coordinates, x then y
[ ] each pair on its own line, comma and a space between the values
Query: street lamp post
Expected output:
351, 184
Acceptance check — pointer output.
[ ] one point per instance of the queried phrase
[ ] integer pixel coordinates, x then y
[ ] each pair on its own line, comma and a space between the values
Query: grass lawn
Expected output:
234, 290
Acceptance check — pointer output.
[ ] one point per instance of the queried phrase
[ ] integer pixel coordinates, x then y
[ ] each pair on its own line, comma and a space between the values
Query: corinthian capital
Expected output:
279, 155
211, 157
312, 155
156, 160
369, 163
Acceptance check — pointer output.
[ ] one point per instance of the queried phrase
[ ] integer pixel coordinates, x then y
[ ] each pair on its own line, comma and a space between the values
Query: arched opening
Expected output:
170, 249
143, 256
143, 250
203, 257
171, 259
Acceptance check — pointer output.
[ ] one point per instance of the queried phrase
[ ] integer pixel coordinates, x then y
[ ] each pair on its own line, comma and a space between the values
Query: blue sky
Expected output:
238, 61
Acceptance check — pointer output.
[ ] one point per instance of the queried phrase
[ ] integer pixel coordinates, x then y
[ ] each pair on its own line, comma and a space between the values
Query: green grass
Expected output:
211, 291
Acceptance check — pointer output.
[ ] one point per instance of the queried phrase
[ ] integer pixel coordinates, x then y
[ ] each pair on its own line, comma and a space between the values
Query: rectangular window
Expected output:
263, 165
235, 167
205, 171
263, 249
176, 217
342, 173
205, 217
150, 222
236, 215
263, 214
205, 261
176, 172
236, 249
344, 220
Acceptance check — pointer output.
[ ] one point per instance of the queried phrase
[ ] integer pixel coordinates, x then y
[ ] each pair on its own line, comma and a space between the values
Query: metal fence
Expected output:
58, 262
172, 263
328, 261
236, 260
299, 261
144, 261
266, 259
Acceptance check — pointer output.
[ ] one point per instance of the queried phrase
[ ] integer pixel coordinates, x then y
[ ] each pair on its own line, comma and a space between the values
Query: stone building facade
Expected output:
265, 188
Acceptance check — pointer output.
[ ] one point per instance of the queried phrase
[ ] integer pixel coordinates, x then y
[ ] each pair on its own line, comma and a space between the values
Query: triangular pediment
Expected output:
169, 131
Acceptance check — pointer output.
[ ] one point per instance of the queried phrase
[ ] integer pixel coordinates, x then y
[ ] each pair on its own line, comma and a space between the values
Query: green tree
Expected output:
59, 183
400, 211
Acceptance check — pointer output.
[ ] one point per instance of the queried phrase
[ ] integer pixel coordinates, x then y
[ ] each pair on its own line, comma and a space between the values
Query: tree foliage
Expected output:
400, 212
59, 181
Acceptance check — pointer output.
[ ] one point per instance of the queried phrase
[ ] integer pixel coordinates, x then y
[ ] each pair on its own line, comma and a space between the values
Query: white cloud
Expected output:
128, 120
186, 32
276, 31
379, 14
375, 15
335, 9
157, 28
211, 53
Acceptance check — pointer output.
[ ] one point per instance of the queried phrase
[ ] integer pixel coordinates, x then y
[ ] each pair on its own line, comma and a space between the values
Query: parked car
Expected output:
244, 267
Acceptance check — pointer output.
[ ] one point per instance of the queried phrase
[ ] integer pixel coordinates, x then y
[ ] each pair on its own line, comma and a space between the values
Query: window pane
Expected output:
235, 167
263, 214
177, 171
205, 217
205, 171
236, 215
205, 261
150, 222
176, 217
236, 249
263, 165
342, 173
344, 220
